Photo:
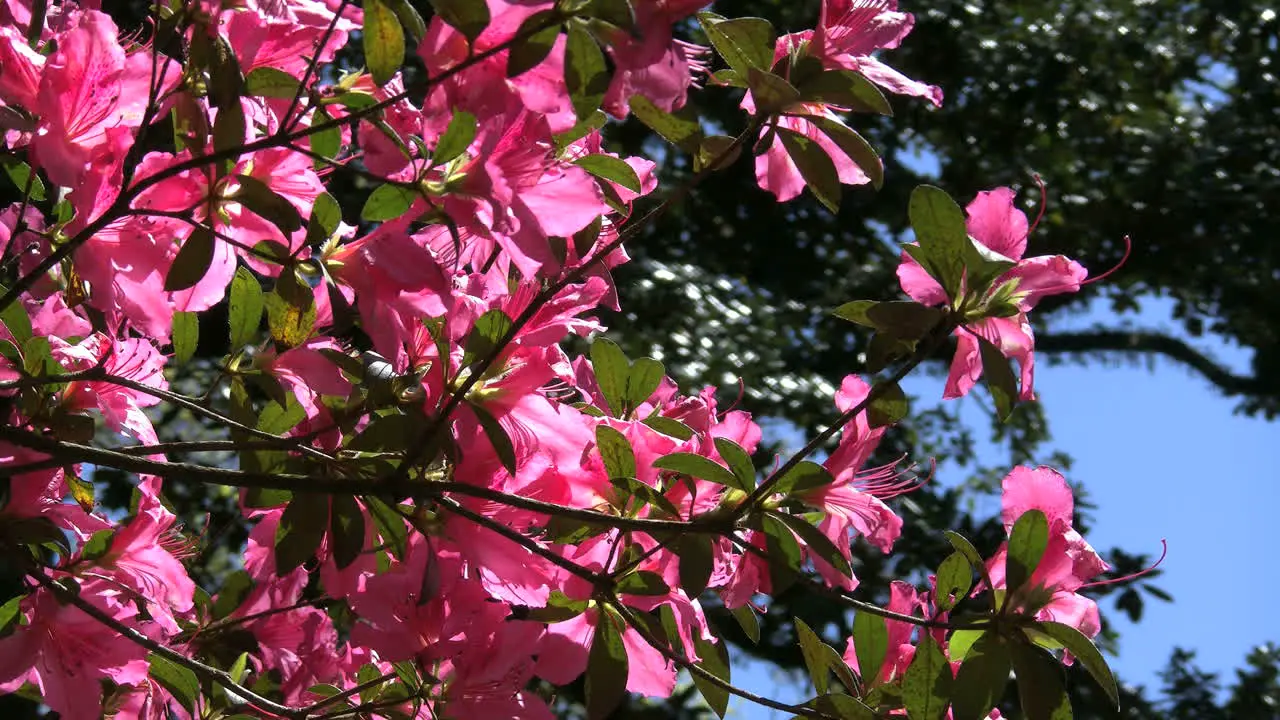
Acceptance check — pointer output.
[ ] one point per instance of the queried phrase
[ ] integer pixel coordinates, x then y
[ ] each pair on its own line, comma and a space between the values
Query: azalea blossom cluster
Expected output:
447, 508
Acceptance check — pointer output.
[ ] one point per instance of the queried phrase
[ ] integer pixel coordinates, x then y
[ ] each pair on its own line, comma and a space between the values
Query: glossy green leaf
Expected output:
939, 226
1041, 691
870, 644
696, 562
193, 260
613, 372
998, 374
744, 43
245, 308
855, 147
456, 138
20, 174
327, 142
608, 167
302, 528
889, 406
816, 542
291, 310
699, 467
669, 426
805, 476
9, 614
466, 16
714, 660
982, 677
271, 82
927, 685
771, 93
391, 527
680, 129
485, 338
15, 319
186, 335
815, 166
642, 582
258, 197
815, 660
954, 578
645, 376
905, 318
716, 152
387, 202
785, 555
180, 681
409, 18
606, 677
383, 41
844, 707
739, 461
346, 530
965, 548
1086, 653
748, 621
844, 88
498, 436
586, 75
538, 35
615, 450
1027, 542
960, 641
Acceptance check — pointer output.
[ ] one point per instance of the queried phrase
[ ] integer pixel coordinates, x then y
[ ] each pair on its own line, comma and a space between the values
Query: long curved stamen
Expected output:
887, 481
1164, 550
1128, 248
1044, 202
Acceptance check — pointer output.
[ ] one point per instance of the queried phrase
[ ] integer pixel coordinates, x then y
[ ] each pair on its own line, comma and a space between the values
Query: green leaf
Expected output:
928, 682
747, 619
645, 377
391, 527
785, 556
982, 677
771, 93
387, 202
845, 88
955, 577
383, 41
409, 18
1040, 688
854, 146
15, 318
193, 260
744, 43
739, 461
871, 644
642, 582
238, 667
585, 74
229, 130
346, 530
264, 202
302, 527
606, 682
498, 436
186, 334
959, 643
629, 488
456, 138
1084, 651
608, 167
696, 562
806, 475
817, 543
180, 681
815, 166
965, 548
815, 659
466, 16
998, 374
491, 329
670, 427
715, 660
9, 614
97, 545
535, 45
845, 707
1027, 543
613, 371
291, 310
904, 318
235, 588
245, 308
699, 467
615, 450
716, 152
20, 174
680, 129
888, 407
271, 82
939, 226
327, 143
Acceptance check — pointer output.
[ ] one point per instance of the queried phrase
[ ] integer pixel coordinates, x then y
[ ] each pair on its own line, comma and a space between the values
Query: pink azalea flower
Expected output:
144, 556
65, 652
1068, 561
903, 599
849, 32
133, 359
650, 62
996, 224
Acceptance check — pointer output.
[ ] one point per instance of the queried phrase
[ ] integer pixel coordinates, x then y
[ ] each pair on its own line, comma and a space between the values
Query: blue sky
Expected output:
1162, 455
